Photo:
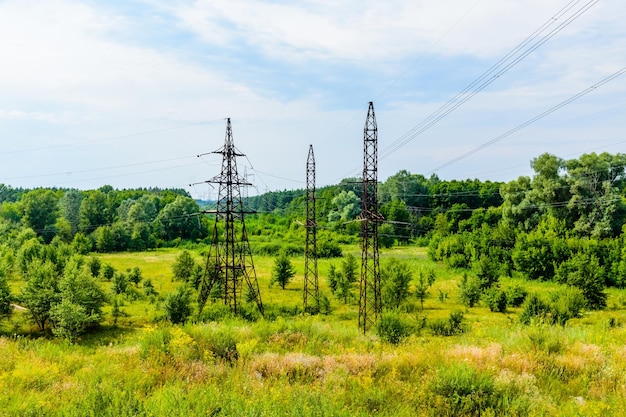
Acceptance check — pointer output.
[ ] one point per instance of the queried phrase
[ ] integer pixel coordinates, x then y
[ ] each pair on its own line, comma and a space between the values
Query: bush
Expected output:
534, 308
69, 320
452, 326
470, 290
461, 390
496, 300
563, 305
178, 305
183, 266
391, 328
516, 295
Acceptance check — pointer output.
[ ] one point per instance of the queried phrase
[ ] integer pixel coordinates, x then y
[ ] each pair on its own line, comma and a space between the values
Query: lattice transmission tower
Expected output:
311, 288
229, 262
370, 306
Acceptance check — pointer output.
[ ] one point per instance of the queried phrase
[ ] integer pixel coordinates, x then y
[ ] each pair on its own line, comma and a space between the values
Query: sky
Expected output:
128, 93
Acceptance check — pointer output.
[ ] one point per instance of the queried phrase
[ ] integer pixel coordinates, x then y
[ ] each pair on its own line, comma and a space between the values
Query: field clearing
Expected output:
318, 365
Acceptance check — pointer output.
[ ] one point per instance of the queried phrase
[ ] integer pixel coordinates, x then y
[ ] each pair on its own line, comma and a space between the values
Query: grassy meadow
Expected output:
299, 365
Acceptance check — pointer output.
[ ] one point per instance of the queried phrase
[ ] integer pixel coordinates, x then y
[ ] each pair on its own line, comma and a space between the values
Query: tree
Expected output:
347, 207
39, 209
183, 267
93, 212
395, 276
5, 294
41, 291
584, 272
179, 219
78, 287
69, 210
178, 305
343, 280
283, 271
424, 281
69, 320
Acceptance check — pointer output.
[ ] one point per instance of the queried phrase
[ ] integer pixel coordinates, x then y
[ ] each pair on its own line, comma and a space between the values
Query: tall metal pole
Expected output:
370, 306
229, 262
311, 288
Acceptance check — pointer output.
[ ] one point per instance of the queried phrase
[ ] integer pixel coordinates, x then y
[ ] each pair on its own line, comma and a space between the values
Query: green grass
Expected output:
318, 365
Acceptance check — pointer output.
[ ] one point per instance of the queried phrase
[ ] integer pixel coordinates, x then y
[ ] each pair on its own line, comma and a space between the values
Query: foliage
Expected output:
183, 267
177, 305
515, 295
134, 275
454, 325
425, 280
347, 207
179, 219
583, 271
120, 283
283, 271
5, 294
342, 281
78, 287
562, 306
41, 291
108, 272
395, 276
495, 299
391, 328
470, 290
70, 320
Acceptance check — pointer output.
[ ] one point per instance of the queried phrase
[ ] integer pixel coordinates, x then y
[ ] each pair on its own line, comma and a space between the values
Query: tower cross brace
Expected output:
229, 262
311, 287
370, 306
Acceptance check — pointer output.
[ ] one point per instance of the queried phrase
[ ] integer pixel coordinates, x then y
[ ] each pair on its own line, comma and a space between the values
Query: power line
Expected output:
534, 119
512, 58
130, 135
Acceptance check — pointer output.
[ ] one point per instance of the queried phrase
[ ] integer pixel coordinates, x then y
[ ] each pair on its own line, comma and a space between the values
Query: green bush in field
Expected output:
177, 305
395, 276
496, 300
95, 265
470, 290
391, 328
460, 390
183, 267
455, 324
283, 271
69, 320
5, 295
515, 295
563, 305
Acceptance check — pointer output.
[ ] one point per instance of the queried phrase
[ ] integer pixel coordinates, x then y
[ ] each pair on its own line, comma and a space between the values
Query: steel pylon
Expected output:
370, 306
229, 262
311, 287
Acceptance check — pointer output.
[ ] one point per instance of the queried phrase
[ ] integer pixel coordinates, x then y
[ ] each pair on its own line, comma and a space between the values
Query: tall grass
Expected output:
318, 365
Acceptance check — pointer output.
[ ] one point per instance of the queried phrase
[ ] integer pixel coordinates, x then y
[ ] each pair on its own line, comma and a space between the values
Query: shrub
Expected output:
391, 328
283, 271
470, 290
395, 278
69, 320
496, 300
452, 326
534, 308
177, 305
461, 390
516, 295
95, 265
183, 266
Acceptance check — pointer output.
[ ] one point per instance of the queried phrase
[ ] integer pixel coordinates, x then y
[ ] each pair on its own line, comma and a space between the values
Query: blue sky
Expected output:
127, 93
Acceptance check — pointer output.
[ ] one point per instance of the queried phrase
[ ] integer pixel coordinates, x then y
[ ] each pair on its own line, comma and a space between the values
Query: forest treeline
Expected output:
563, 224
